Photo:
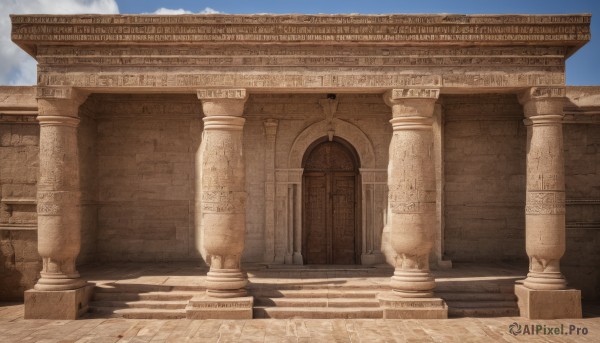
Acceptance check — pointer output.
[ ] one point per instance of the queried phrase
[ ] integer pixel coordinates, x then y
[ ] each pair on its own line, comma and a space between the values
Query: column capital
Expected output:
222, 102
412, 101
55, 103
543, 101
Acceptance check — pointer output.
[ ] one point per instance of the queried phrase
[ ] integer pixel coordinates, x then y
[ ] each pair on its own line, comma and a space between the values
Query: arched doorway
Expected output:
330, 206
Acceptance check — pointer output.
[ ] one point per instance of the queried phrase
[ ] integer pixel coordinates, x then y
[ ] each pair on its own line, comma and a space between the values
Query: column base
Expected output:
59, 282
60, 305
396, 307
226, 283
545, 281
412, 284
548, 304
205, 307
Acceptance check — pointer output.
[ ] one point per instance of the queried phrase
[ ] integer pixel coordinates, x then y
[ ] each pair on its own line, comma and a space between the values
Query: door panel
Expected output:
330, 200
343, 219
315, 218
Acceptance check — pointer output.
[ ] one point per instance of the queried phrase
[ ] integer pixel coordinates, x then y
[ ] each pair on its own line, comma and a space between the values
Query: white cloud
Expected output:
163, 10
17, 67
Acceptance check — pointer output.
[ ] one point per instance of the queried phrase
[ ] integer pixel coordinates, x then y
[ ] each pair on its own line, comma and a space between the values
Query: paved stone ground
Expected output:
15, 329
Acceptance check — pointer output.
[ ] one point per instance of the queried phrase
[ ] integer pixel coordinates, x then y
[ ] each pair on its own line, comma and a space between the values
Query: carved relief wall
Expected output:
20, 262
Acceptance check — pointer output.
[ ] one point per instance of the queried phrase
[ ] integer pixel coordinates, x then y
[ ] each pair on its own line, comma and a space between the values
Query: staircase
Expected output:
479, 300
317, 304
141, 301
317, 293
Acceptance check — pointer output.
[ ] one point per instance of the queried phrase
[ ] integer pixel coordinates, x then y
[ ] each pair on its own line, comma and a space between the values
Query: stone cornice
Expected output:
572, 31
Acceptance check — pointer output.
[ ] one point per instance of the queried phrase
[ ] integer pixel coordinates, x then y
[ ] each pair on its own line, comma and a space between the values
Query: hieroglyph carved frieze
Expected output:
282, 80
293, 28
299, 56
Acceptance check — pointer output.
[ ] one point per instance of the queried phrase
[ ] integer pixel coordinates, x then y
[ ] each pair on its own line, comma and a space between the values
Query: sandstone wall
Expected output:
88, 168
582, 171
484, 155
145, 148
19, 140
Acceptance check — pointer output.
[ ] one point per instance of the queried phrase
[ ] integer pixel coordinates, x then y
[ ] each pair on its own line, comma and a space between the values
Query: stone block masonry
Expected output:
145, 156
484, 155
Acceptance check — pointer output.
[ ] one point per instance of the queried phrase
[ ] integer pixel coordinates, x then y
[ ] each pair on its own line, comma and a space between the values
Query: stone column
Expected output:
412, 200
58, 294
223, 194
545, 203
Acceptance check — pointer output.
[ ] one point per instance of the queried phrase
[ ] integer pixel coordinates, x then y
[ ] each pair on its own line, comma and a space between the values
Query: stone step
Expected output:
145, 288
149, 304
139, 313
319, 287
317, 312
482, 304
163, 296
317, 293
474, 287
470, 296
317, 302
483, 312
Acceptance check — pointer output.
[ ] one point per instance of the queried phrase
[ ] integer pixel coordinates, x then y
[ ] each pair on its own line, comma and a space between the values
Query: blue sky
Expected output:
582, 68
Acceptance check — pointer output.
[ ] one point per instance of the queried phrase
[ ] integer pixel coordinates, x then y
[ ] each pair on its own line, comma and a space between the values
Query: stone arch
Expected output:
349, 132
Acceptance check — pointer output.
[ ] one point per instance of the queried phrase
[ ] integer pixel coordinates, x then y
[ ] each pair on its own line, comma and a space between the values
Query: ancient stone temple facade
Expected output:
407, 140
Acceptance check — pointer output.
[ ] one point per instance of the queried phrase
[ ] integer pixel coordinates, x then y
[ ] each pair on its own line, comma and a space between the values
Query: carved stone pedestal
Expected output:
58, 305
548, 304
206, 307
397, 307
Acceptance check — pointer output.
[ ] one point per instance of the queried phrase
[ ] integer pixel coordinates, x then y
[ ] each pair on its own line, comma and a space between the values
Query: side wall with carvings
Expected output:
19, 155
19, 140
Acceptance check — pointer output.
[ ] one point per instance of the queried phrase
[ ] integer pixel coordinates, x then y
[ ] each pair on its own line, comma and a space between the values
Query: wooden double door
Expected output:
330, 205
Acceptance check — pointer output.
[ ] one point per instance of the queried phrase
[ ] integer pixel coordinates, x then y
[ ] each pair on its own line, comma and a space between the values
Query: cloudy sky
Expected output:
18, 68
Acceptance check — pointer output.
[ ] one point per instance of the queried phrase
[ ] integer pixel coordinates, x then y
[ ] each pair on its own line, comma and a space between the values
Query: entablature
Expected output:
300, 53
568, 30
